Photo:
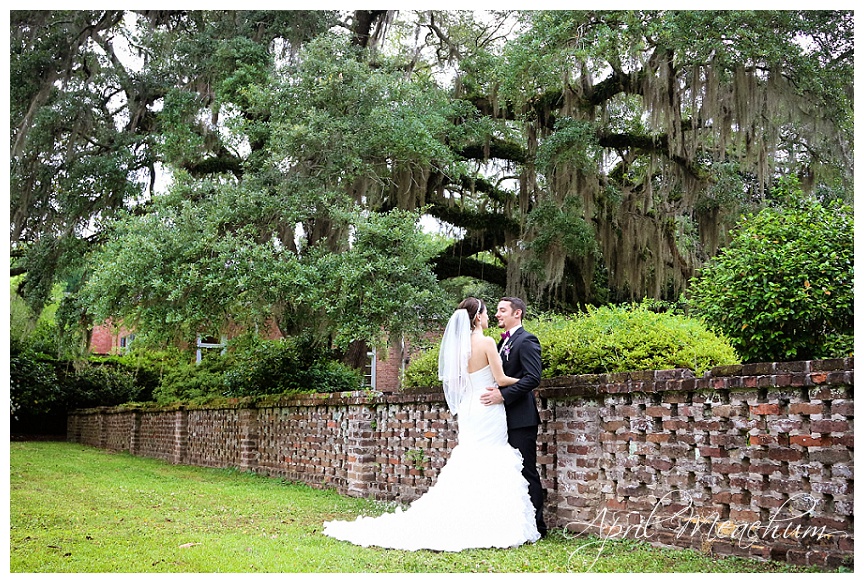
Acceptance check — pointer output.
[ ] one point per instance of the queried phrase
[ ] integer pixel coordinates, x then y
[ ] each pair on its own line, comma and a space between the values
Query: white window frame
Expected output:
370, 378
209, 345
123, 342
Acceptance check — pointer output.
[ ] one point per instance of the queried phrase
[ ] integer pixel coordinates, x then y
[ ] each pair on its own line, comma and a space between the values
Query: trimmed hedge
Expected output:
609, 339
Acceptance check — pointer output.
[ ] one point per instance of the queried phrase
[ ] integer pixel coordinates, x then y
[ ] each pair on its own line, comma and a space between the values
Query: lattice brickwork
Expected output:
752, 460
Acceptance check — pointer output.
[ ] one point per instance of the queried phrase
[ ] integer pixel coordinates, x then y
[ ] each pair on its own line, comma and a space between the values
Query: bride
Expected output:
480, 498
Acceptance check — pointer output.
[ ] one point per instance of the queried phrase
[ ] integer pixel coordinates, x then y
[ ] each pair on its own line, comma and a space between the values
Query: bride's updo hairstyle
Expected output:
474, 307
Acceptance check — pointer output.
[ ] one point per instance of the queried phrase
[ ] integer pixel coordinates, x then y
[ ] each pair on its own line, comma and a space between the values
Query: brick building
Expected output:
383, 371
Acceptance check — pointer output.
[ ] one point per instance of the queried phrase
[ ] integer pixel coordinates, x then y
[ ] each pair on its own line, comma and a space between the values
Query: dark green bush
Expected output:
44, 385
44, 388
783, 288
253, 367
33, 386
609, 339
93, 385
286, 366
188, 382
146, 366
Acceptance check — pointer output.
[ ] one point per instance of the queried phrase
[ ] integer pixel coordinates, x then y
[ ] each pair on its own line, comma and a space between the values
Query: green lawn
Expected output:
79, 509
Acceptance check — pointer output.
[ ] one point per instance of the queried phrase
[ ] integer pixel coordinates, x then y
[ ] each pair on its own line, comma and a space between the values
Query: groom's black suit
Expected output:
521, 359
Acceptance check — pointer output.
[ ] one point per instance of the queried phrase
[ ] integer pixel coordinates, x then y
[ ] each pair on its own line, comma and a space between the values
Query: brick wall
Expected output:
753, 460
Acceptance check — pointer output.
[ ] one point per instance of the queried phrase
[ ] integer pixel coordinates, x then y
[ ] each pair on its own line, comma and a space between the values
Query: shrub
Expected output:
783, 288
44, 388
146, 366
189, 382
287, 365
33, 386
423, 369
609, 339
629, 338
95, 385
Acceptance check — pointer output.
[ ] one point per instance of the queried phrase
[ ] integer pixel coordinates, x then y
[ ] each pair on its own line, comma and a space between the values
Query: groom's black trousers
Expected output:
525, 440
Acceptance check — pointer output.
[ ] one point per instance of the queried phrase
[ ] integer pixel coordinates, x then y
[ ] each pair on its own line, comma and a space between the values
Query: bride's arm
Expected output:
495, 364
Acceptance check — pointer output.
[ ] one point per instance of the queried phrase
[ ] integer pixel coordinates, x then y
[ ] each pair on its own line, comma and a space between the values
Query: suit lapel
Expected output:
505, 348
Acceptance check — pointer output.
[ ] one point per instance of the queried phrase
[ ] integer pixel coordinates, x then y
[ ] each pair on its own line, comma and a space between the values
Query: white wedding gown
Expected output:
480, 499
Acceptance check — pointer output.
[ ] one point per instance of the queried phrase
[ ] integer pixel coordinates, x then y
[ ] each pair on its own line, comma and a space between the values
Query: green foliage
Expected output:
89, 385
42, 385
38, 332
572, 145
628, 338
382, 285
179, 141
188, 266
33, 386
208, 263
610, 339
188, 382
252, 367
287, 366
560, 227
275, 126
423, 369
346, 118
146, 366
783, 289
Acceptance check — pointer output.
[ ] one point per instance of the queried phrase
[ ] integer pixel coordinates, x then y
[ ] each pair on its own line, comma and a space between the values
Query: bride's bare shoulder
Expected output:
485, 339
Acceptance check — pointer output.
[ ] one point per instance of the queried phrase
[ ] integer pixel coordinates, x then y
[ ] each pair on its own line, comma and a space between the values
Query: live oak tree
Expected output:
653, 130
574, 157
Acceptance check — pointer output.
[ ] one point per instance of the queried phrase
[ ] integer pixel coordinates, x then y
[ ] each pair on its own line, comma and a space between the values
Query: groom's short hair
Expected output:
516, 304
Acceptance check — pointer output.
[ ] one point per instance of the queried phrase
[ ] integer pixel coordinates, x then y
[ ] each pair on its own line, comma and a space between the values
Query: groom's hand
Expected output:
492, 396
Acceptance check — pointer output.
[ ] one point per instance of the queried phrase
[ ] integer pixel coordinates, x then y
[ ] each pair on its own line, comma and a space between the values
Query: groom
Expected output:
520, 355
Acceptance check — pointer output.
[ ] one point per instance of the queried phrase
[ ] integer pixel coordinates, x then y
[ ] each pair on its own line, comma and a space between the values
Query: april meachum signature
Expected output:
686, 520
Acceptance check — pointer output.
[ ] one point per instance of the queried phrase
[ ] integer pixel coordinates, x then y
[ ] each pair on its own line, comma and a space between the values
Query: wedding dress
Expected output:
480, 499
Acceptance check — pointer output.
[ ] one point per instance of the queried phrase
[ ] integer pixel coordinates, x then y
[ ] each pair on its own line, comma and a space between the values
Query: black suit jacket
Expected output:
521, 361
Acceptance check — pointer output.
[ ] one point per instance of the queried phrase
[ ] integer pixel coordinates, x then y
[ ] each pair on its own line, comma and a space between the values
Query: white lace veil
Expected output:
453, 358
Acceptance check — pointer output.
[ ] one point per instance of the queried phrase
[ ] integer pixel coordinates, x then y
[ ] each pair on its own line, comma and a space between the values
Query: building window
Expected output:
369, 371
206, 343
124, 342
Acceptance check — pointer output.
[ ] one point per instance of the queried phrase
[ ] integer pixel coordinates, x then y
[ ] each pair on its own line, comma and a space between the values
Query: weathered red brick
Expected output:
661, 464
748, 516
762, 439
785, 454
658, 411
843, 408
831, 364
805, 408
818, 378
728, 441
721, 467
829, 426
810, 440
765, 409
724, 410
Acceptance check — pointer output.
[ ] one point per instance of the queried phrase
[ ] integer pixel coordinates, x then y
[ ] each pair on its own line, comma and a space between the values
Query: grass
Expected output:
77, 509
